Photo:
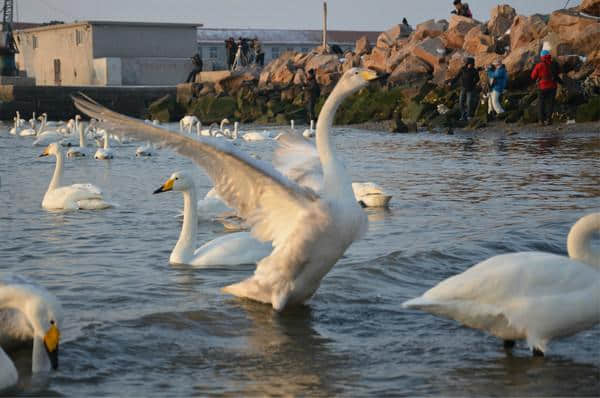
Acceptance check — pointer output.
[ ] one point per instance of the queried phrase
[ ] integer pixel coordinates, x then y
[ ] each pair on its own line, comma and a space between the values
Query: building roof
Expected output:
110, 23
210, 35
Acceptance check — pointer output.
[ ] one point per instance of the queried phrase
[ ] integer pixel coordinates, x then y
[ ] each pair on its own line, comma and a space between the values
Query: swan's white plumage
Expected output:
528, 295
28, 312
309, 231
105, 152
71, 197
231, 249
370, 194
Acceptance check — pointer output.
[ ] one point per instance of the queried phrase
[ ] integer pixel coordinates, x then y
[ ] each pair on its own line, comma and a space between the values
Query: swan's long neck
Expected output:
198, 128
106, 139
42, 126
334, 175
82, 142
184, 249
56, 181
579, 241
39, 360
236, 127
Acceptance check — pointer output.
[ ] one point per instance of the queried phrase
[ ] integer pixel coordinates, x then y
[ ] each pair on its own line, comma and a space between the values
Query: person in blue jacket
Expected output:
498, 79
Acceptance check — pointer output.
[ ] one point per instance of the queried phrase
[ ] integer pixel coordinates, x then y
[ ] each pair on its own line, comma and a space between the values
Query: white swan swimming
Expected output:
527, 295
230, 249
82, 150
145, 150
28, 312
72, 197
187, 123
44, 136
31, 131
105, 152
309, 231
16, 127
310, 132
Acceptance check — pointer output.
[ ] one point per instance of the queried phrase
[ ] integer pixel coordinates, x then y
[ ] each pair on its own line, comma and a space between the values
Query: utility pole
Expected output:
325, 46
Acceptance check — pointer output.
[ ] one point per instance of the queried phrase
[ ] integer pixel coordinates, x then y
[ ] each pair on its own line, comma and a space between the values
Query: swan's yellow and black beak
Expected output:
369, 75
45, 153
167, 186
51, 340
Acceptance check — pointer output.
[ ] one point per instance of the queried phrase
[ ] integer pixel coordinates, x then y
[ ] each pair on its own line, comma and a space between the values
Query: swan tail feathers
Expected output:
250, 288
419, 303
94, 204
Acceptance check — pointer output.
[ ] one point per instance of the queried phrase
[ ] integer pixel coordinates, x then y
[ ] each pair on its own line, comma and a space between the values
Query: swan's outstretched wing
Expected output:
272, 203
297, 158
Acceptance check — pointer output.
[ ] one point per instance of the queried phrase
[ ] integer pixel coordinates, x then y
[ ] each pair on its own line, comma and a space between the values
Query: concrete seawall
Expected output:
57, 102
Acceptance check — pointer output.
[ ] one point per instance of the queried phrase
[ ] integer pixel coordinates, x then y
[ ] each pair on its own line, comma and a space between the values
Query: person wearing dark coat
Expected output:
198, 64
231, 49
312, 92
461, 9
467, 77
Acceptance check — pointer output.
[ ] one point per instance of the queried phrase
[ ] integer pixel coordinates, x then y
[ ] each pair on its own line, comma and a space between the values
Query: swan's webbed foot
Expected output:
509, 344
537, 352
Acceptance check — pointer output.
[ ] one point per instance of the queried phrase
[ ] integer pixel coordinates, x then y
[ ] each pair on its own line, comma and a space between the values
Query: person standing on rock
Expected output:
461, 9
197, 68
231, 48
498, 80
468, 77
260, 55
545, 73
312, 92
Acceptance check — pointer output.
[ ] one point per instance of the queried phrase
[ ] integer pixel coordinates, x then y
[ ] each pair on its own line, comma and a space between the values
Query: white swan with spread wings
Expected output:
309, 231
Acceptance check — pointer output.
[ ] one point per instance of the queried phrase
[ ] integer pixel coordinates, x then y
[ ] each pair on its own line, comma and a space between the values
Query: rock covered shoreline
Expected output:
419, 63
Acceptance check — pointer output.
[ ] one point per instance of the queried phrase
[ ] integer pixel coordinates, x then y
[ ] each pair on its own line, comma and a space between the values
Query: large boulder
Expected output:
501, 19
525, 30
236, 80
458, 28
411, 69
581, 33
323, 63
430, 28
455, 63
377, 60
397, 55
299, 77
284, 61
284, 75
362, 46
483, 60
432, 51
388, 38
520, 62
477, 42
591, 7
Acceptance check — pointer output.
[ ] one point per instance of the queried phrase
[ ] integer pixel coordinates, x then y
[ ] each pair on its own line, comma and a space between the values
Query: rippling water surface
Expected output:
137, 326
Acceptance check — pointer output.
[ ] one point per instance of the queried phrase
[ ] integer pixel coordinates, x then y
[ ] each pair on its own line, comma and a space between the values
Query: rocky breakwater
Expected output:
419, 64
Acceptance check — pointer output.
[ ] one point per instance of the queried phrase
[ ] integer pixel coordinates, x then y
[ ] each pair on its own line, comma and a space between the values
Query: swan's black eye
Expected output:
51, 322
177, 178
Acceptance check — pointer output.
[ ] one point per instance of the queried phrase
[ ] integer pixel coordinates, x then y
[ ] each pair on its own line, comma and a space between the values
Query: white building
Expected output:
211, 42
107, 53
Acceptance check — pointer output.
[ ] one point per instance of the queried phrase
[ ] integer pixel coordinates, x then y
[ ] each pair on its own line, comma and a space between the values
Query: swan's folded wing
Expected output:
297, 158
272, 203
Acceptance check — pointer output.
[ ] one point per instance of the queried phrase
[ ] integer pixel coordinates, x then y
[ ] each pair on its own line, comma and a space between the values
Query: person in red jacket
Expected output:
546, 74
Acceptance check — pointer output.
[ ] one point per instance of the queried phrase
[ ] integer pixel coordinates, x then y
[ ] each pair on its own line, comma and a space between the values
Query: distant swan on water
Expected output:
534, 296
69, 197
309, 231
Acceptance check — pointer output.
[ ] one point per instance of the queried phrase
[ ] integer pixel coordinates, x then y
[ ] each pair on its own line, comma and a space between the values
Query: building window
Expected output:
304, 49
275, 52
290, 49
34, 42
78, 37
212, 52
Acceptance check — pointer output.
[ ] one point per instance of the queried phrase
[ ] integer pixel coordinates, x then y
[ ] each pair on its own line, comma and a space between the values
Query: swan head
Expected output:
77, 117
356, 78
52, 149
45, 315
179, 181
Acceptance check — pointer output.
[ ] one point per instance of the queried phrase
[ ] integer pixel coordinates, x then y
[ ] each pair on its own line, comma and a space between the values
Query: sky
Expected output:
374, 15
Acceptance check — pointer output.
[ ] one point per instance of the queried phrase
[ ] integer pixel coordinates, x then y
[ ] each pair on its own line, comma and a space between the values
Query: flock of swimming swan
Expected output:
303, 215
